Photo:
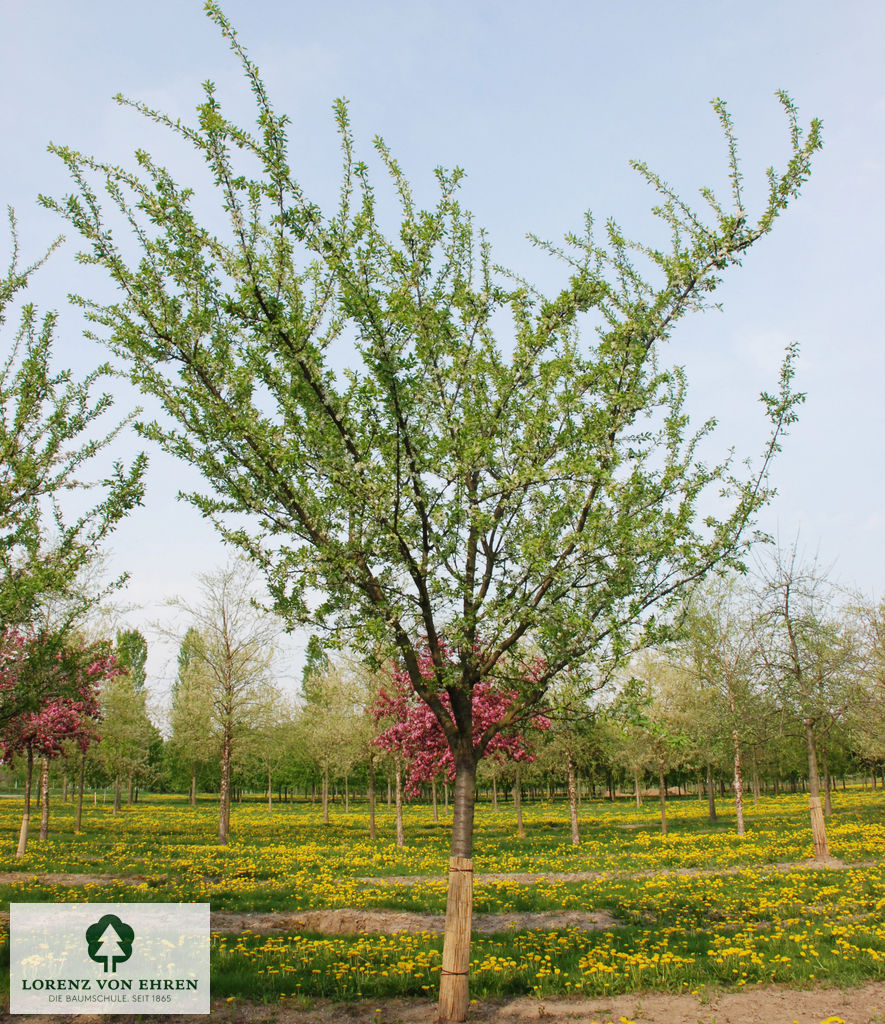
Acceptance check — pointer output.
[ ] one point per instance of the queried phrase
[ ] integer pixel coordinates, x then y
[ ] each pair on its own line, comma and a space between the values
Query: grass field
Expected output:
732, 920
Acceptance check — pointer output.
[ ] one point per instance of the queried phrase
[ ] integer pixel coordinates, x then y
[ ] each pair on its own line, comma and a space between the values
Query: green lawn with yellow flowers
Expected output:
695, 910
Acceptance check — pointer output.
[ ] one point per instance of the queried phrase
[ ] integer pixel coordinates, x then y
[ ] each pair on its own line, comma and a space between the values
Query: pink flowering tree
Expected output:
55, 697
415, 735
415, 738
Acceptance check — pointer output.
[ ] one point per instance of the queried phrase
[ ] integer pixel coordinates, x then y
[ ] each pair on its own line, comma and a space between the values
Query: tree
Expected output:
230, 652
448, 491
192, 744
127, 735
51, 430
69, 680
812, 652
720, 650
131, 651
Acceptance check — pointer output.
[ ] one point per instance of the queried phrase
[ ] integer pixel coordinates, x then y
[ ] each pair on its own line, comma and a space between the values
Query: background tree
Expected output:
127, 735
450, 492
231, 651
131, 652
69, 679
720, 654
192, 744
811, 650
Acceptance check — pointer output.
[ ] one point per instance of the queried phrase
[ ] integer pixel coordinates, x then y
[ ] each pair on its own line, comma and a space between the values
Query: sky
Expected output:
543, 106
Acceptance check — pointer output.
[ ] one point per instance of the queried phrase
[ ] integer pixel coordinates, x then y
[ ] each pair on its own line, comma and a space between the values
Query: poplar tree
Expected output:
421, 451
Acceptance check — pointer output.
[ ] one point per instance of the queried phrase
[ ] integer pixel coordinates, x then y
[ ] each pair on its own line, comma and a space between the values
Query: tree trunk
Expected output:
118, 791
517, 803
662, 796
26, 813
192, 796
446, 796
326, 795
225, 794
373, 831
400, 831
433, 794
129, 794
454, 996
44, 790
636, 790
269, 790
346, 795
828, 801
81, 785
389, 794
756, 786
494, 794
573, 802
711, 793
738, 783
64, 786
818, 826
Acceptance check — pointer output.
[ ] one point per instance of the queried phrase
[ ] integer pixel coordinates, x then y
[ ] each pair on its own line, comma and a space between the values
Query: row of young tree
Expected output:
771, 680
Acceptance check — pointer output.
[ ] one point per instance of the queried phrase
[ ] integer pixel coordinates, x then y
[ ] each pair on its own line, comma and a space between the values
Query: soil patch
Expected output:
358, 922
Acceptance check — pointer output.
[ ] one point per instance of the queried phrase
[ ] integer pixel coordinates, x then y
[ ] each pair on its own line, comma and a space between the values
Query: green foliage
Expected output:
48, 437
499, 493
131, 652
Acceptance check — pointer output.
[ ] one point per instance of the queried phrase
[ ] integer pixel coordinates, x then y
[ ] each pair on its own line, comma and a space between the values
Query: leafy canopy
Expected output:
409, 474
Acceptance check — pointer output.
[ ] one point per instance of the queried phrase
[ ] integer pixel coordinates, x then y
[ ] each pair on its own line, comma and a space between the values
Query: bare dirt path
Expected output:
356, 922
863, 1005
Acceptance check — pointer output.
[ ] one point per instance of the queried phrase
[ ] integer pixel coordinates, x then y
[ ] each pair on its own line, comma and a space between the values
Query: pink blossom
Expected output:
415, 734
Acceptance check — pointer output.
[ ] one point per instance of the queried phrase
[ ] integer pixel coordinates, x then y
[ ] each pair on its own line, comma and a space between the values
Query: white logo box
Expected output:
109, 958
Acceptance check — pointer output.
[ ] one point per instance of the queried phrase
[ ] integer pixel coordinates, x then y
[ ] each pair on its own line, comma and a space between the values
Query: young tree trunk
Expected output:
400, 831
662, 796
81, 785
44, 790
389, 794
269, 790
573, 802
118, 793
636, 790
433, 795
828, 801
346, 795
711, 793
818, 826
756, 786
446, 796
494, 794
325, 795
129, 794
454, 996
373, 832
517, 803
64, 786
192, 796
738, 783
225, 794
26, 813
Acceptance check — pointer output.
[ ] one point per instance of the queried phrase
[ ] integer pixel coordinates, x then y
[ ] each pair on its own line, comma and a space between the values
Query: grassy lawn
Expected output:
732, 924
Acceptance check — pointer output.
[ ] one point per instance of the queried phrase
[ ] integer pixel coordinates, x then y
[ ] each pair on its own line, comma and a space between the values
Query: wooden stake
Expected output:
454, 996
818, 829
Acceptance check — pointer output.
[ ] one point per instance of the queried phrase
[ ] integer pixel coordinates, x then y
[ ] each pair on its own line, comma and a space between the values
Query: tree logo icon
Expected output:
110, 941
